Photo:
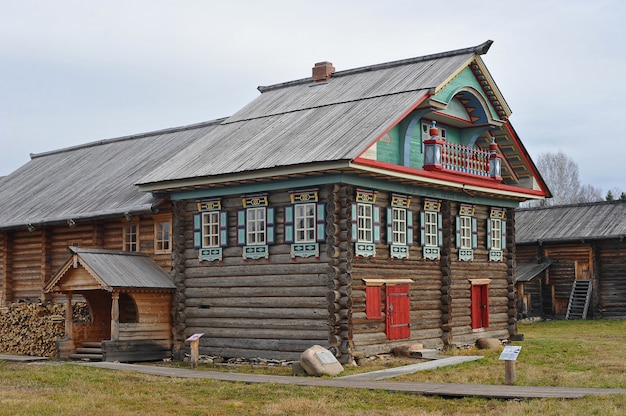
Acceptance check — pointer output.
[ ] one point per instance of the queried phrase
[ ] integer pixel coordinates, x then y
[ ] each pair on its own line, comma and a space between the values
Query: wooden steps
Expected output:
579, 300
88, 351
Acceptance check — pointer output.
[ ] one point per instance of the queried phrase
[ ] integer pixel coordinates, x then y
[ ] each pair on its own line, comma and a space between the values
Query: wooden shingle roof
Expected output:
94, 180
302, 122
113, 269
599, 220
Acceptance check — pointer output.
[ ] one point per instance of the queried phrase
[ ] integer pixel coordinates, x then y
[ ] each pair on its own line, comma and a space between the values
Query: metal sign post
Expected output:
509, 356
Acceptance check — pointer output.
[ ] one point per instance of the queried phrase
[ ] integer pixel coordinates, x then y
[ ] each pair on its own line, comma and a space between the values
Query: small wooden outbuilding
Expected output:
570, 247
130, 302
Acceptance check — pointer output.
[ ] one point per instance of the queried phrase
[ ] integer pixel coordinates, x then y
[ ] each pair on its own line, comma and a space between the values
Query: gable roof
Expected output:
92, 180
306, 123
598, 220
113, 269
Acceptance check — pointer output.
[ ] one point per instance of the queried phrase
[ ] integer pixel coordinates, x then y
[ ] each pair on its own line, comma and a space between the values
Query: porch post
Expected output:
115, 316
68, 316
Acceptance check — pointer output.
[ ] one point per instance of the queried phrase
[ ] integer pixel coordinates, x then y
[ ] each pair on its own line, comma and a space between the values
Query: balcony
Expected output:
439, 155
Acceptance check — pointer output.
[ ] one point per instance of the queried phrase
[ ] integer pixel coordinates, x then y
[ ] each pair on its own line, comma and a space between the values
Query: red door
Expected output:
480, 306
398, 312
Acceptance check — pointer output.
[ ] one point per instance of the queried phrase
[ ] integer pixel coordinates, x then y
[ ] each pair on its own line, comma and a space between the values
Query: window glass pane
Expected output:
365, 223
255, 226
466, 232
399, 225
305, 223
430, 228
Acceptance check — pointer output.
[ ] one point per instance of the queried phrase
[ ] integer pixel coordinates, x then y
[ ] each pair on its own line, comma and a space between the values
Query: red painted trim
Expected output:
402, 117
450, 176
527, 159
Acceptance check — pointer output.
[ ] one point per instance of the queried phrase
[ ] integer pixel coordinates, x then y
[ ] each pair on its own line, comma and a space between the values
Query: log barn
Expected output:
359, 210
573, 259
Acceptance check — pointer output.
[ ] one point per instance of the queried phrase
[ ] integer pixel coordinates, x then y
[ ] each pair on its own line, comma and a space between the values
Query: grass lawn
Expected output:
555, 353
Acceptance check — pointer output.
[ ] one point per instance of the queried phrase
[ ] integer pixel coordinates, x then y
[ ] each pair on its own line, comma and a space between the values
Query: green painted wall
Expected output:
389, 149
465, 78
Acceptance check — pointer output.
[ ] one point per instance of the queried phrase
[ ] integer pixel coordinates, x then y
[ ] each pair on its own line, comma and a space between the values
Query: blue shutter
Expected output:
458, 231
422, 228
439, 230
355, 223
197, 230
271, 237
223, 228
289, 238
241, 227
321, 223
488, 233
474, 233
389, 225
503, 238
409, 227
376, 223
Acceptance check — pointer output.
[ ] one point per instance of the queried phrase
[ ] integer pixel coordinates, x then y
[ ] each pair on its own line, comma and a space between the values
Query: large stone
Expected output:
318, 361
488, 343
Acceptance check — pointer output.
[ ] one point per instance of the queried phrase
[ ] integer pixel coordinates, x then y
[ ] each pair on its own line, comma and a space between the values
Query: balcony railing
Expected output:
439, 155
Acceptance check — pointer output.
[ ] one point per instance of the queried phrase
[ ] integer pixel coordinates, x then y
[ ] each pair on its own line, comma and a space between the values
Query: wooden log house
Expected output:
63, 202
358, 210
579, 245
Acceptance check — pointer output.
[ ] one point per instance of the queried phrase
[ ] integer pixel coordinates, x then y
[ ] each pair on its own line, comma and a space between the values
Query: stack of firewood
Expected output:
29, 328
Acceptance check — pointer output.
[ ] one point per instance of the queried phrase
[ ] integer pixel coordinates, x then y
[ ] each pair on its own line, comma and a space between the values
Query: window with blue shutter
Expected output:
305, 223
210, 230
365, 223
431, 229
496, 234
466, 233
399, 227
255, 227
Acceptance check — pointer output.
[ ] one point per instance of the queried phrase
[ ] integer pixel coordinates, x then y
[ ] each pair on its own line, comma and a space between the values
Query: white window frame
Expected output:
431, 228
496, 233
365, 214
399, 225
256, 226
305, 223
466, 232
211, 229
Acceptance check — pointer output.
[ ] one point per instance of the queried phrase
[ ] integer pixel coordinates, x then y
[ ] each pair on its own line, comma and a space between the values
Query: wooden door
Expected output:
583, 271
398, 318
480, 306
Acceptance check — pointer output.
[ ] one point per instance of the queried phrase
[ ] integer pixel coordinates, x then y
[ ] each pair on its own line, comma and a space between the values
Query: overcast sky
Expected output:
73, 72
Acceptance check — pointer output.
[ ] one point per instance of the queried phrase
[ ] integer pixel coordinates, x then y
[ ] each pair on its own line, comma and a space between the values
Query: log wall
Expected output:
273, 308
29, 259
611, 265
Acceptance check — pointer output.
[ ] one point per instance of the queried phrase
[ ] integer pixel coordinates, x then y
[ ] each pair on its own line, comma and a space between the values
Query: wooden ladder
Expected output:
579, 300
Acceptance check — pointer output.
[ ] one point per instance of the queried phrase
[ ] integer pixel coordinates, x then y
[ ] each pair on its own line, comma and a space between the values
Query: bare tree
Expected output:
561, 174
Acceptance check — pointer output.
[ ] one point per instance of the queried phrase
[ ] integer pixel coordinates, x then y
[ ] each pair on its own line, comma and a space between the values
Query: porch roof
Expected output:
113, 269
525, 272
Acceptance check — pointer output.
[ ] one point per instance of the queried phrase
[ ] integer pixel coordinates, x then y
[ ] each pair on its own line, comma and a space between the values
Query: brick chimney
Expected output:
322, 71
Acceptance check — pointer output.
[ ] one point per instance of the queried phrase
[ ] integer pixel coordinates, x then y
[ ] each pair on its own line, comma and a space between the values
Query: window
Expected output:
305, 221
255, 227
210, 230
431, 229
399, 226
496, 234
466, 232
162, 234
365, 223
131, 237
